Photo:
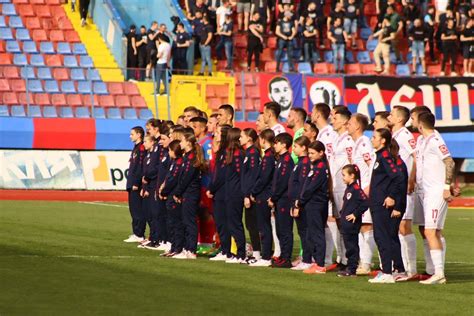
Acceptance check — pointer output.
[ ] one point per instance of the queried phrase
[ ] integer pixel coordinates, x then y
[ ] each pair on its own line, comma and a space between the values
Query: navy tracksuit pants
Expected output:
264, 214
284, 228
137, 213
220, 217
387, 240
151, 211
161, 226
302, 226
189, 207
175, 221
234, 211
316, 217
350, 236
252, 227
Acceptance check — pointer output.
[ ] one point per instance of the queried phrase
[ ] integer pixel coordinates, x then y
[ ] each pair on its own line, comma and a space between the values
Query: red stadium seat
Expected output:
18, 85
25, 10
434, 70
53, 60
42, 99
210, 91
130, 88
241, 41
72, 37
353, 69
214, 103
61, 74
267, 55
252, 92
20, 1
25, 99
272, 42
47, 24
270, 66
2, 46
320, 68
74, 100
238, 91
138, 102
11, 72
42, 11
87, 101
115, 88
238, 104
37, 2
63, 23
122, 101
106, 101
6, 59
10, 98
39, 36
56, 36
53, 2
58, 100
32, 23
57, 11
4, 85
368, 69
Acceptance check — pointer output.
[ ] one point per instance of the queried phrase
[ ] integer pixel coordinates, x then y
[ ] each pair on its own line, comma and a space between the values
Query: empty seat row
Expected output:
52, 86
30, 47
46, 73
55, 60
48, 9
39, 35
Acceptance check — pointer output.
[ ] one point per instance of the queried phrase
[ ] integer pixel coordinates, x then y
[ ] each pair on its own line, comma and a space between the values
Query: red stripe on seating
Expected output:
64, 133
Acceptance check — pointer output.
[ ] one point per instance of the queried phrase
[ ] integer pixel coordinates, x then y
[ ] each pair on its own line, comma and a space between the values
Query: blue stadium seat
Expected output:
79, 49
29, 47
15, 22
99, 113
34, 111
27, 72
68, 87
77, 74
403, 70
100, 88
364, 57
252, 116
93, 74
23, 35
239, 116
286, 67
284, 56
70, 61
50, 86
44, 73
82, 112
18, 111
84, 87
47, 48
349, 57
4, 111
6, 33
371, 44
65, 112
86, 62
365, 33
8, 9
64, 48
130, 114
328, 56
410, 57
145, 114
13, 47
20, 60
37, 60
305, 68
34, 85
393, 59
114, 113
2, 21
50, 111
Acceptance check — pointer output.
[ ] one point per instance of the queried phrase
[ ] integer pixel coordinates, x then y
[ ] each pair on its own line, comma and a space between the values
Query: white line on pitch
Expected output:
103, 204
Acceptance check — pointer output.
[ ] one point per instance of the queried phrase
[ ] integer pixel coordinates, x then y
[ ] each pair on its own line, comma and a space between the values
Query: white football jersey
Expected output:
433, 170
407, 144
342, 155
278, 129
327, 136
364, 156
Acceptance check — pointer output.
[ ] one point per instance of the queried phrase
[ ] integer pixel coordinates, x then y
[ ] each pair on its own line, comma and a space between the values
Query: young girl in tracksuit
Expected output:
295, 185
314, 199
260, 194
217, 192
188, 192
249, 141
355, 203
386, 187
166, 192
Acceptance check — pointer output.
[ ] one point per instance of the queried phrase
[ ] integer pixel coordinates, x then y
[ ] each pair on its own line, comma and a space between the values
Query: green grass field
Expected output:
59, 258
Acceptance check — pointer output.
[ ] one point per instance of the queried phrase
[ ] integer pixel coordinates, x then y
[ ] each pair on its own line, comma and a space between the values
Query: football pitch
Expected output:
63, 258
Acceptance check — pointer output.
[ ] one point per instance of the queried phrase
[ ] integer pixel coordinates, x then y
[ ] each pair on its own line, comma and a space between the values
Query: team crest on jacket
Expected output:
348, 196
376, 165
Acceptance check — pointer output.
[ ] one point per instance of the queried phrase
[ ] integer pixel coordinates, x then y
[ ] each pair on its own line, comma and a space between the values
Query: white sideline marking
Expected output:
103, 204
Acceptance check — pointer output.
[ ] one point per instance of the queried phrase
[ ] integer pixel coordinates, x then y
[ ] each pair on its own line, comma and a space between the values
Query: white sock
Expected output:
428, 260
276, 242
443, 242
369, 248
256, 255
335, 236
329, 246
403, 250
361, 246
437, 257
410, 241
341, 249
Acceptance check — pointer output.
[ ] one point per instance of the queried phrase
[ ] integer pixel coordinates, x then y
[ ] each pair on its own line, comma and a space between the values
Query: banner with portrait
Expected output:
329, 90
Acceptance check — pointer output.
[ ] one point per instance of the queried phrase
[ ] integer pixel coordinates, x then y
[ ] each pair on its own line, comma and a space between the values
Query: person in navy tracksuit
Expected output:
280, 201
355, 203
234, 198
133, 186
166, 192
260, 194
248, 140
295, 186
314, 200
386, 188
188, 191
217, 192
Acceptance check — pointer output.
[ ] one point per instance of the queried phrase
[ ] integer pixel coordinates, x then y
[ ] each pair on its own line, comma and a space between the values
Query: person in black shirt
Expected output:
410, 13
418, 37
151, 48
338, 12
183, 41
197, 26
263, 8
338, 38
449, 38
226, 32
255, 41
132, 53
286, 32
312, 12
205, 46
351, 19
443, 19
199, 6
309, 40
429, 22
467, 40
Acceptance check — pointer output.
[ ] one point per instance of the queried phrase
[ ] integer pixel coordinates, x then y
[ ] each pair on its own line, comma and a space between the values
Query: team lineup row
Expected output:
345, 192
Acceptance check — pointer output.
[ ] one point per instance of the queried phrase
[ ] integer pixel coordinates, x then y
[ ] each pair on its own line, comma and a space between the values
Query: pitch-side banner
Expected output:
35, 169
451, 99
284, 89
105, 170
329, 90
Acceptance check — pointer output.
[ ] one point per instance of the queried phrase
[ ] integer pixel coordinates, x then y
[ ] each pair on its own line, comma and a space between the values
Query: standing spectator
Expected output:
283, 3
183, 41
418, 37
397, 25
286, 32
338, 12
243, 14
467, 39
262, 7
338, 38
429, 22
222, 12
381, 10
309, 40
442, 24
199, 6
255, 41
410, 13
385, 36
83, 9
205, 46
163, 58
151, 48
226, 41
350, 21
449, 38
132, 53
141, 47
197, 26
312, 12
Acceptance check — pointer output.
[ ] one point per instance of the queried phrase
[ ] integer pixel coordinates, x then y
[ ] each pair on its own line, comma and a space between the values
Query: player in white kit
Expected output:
363, 156
437, 176
398, 117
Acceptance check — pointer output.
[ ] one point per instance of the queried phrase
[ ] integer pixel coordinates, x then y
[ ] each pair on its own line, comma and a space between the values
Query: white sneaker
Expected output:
190, 255
363, 269
301, 266
235, 260
435, 279
382, 278
454, 74
182, 255
134, 238
261, 263
400, 276
164, 246
219, 257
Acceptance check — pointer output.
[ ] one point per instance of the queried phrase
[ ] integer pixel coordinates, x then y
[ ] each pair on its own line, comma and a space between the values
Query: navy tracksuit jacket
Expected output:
150, 177
387, 181
314, 201
134, 178
164, 230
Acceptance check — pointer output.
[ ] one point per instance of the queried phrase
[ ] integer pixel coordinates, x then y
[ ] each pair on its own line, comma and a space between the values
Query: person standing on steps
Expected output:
83, 10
